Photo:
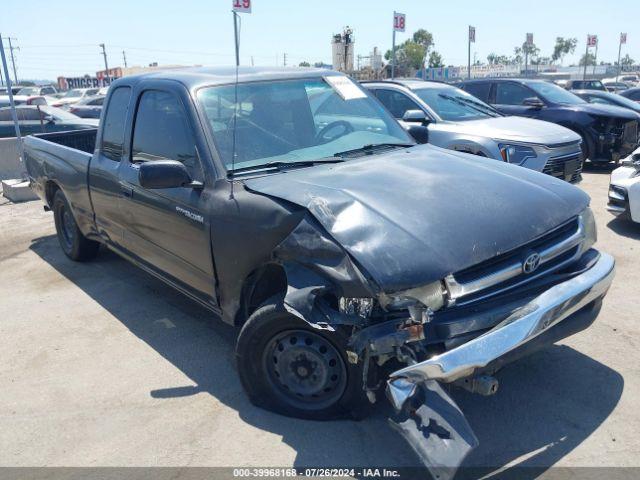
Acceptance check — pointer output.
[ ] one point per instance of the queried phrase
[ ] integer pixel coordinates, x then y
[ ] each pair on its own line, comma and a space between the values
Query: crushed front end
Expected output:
462, 329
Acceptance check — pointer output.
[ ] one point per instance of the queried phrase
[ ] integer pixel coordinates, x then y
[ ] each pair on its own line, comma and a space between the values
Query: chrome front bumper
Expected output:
523, 325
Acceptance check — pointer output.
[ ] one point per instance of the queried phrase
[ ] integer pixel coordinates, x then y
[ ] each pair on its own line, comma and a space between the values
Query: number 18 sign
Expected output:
399, 20
243, 6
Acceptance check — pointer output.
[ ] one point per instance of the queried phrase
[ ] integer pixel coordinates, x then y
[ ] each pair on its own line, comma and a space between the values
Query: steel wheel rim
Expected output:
305, 369
67, 227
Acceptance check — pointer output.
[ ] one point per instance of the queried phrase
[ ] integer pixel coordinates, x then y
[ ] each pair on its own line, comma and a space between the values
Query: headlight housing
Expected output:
516, 154
588, 222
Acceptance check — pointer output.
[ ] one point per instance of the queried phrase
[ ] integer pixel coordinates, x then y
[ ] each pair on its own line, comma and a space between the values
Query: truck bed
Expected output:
61, 161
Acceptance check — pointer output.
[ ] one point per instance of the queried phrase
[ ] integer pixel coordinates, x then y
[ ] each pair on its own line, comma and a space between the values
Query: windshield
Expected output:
452, 104
73, 94
295, 121
620, 100
555, 94
30, 91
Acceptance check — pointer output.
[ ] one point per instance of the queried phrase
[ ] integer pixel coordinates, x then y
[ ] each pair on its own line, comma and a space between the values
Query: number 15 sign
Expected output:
243, 6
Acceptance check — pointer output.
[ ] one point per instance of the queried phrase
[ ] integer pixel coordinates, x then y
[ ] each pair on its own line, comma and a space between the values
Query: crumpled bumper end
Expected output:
430, 420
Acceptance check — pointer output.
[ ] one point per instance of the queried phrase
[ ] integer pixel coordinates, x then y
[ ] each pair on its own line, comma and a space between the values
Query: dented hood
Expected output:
414, 215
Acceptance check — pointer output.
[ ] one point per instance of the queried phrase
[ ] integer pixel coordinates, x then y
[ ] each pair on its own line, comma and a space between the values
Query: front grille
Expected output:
556, 249
567, 167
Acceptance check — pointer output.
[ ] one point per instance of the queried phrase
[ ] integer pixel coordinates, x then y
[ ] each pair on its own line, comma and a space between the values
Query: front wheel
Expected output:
290, 368
74, 244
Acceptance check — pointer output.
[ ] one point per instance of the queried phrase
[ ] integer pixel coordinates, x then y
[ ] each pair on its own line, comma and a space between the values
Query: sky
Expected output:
62, 38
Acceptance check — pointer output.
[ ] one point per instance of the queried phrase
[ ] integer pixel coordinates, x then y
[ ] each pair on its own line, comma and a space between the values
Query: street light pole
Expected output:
619, 52
586, 57
106, 66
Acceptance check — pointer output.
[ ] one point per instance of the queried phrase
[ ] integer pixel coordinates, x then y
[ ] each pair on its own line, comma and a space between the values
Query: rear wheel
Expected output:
289, 367
73, 243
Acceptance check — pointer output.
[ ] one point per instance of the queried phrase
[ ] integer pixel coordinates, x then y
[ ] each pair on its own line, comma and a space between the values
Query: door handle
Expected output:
126, 191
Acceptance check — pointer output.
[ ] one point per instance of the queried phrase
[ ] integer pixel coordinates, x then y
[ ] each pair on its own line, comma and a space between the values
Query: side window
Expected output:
48, 91
113, 127
162, 132
479, 90
508, 93
96, 101
635, 95
397, 103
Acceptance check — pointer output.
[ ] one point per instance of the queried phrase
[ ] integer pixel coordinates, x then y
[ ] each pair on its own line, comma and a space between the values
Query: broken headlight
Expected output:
419, 301
356, 306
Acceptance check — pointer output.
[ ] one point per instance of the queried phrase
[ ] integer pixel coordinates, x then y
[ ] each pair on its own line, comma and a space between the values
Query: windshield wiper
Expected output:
371, 148
281, 165
468, 103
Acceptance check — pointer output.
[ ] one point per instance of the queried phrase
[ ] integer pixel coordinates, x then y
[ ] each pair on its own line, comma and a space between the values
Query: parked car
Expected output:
585, 85
458, 121
609, 133
37, 91
88, 107
632, 94
22, 100
74, 96
607, 98
14, 89
41, 119
624, 190
616, 87
339, 248
632, 79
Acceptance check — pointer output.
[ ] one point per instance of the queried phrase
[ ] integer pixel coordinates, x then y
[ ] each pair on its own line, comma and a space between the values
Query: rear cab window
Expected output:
114, 122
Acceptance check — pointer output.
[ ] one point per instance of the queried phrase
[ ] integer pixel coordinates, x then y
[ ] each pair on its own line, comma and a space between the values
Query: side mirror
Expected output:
534, 102
420, 133
415, 116
165, 174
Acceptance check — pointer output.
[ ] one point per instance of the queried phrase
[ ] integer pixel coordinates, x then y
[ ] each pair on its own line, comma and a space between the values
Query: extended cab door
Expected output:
104, 184
167, 228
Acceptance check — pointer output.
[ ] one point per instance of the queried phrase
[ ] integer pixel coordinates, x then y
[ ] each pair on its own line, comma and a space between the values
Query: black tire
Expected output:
73, 243
268, 337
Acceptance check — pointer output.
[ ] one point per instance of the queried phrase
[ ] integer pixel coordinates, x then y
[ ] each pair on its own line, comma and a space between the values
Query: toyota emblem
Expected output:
531, 263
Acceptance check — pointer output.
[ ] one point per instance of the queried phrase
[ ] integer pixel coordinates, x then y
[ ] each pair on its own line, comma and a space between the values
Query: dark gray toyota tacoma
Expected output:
293, 206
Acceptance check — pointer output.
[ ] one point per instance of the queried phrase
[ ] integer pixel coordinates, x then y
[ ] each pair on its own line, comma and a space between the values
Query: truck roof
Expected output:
197, 76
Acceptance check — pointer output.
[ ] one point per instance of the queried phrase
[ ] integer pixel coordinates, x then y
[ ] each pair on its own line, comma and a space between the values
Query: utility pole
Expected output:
586, 57
284, 59
124, 58
106, 66
471, 38
13, 60
14, 115
595, 60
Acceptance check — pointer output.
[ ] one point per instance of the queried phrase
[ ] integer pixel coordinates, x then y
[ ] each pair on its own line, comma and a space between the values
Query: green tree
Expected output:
563, 47
424, 38
304, 64
627, 61
411, 54
435, 60
588, 59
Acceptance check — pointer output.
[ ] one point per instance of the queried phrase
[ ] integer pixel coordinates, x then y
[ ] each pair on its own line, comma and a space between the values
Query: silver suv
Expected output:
459, 121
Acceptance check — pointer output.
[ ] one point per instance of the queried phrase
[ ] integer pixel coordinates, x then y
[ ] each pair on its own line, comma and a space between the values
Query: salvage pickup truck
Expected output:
352, 260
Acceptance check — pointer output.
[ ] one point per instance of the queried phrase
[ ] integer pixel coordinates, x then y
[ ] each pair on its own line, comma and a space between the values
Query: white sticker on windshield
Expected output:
345, 87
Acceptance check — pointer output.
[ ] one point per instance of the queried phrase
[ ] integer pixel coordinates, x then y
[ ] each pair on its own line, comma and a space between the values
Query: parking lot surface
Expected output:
103, 365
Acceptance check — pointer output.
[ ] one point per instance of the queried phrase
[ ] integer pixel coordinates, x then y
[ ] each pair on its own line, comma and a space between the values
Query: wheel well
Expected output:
262, 284
50, 190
